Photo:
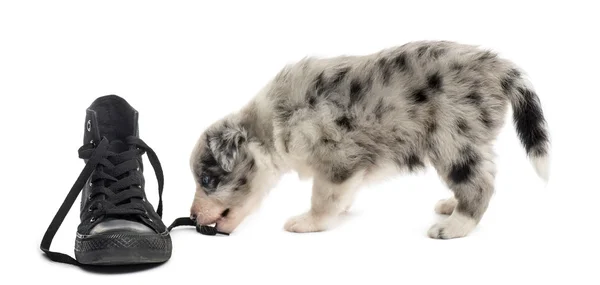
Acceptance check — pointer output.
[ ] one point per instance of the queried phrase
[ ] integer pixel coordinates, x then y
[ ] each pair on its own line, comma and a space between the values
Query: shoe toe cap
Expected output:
120, 226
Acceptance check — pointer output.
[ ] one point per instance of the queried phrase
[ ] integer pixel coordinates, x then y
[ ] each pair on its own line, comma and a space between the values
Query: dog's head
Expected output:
230, 176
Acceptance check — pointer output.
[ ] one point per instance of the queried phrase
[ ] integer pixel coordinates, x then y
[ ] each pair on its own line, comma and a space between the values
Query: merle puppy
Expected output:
348, 120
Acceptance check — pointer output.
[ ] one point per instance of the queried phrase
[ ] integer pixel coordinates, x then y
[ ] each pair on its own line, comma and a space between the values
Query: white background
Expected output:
185, 64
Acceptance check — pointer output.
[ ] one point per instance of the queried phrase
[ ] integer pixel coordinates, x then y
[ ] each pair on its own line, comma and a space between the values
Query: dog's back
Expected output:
423, 101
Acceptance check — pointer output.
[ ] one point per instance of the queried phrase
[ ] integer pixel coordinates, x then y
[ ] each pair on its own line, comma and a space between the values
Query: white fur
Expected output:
455, 226
541, 164
446, 206
329, 200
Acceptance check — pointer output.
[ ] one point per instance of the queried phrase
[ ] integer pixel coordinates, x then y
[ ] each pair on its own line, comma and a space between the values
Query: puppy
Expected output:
348, 120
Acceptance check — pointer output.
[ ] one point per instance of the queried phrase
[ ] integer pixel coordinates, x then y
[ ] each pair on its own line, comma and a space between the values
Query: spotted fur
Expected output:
343, 120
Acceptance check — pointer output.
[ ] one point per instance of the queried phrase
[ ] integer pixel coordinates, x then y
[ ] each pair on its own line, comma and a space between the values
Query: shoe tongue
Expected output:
115, 118
118, 146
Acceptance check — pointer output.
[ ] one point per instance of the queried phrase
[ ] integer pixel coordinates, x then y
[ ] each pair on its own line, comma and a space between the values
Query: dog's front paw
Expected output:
455, 226
305, 223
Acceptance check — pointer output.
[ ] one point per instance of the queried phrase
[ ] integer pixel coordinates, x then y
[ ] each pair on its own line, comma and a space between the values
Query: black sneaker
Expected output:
118, 224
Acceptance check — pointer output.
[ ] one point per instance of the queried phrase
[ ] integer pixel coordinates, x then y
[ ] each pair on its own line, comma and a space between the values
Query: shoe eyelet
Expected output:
90, 209
92, 142
91, 184
89, 198
93, 219
89, 125
143, 199
138, 168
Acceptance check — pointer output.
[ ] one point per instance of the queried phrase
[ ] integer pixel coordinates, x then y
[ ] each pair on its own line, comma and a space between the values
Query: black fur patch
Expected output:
431, 127
312, 101
286, 141
486, 119
474, 98
421, 51
379, 109
507, 84
339, 77
419, 96
463, 127
401, 62
437, 52
319, 84
327, 141
355, 87
514, 73
414, 162
456, 66
240, 184
486, 55
340, 174
282, 112
285, 114
461, 171
386, 72
358, 90
529, 121
323, 86
208, 161
345, 123
435, 81
210, 167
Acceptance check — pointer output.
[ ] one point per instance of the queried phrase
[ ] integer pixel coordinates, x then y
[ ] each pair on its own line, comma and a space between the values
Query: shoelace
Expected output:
205, 230
120, 196
110, 166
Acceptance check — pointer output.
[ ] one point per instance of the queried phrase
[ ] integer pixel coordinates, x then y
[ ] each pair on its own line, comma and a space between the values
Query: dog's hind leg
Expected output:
470, 175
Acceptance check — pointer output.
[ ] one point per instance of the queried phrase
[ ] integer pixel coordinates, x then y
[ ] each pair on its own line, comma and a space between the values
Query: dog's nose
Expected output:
193, 217
225, 213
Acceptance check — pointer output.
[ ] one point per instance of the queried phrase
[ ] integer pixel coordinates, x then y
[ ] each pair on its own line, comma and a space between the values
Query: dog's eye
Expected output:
208, 182
205, 180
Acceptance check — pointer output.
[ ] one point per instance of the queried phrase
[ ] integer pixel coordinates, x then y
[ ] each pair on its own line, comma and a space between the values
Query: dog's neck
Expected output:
257, 118
258, 124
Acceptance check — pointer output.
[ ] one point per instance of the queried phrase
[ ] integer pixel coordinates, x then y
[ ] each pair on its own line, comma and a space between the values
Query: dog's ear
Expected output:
225, 145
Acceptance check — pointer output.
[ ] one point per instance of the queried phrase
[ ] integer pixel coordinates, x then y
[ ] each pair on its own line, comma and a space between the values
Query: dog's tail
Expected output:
529, 121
